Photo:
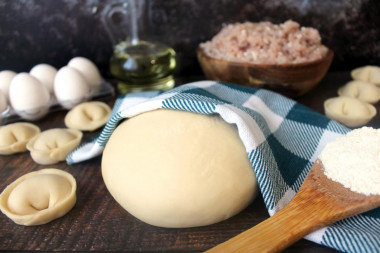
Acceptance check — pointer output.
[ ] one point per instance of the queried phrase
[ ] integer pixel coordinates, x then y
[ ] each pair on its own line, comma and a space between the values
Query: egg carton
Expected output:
103, 91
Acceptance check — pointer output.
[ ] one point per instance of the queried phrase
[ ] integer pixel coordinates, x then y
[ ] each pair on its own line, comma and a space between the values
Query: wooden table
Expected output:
98, 223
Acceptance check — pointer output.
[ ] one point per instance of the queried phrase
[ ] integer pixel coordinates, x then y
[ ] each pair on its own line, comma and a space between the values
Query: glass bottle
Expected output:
139, 63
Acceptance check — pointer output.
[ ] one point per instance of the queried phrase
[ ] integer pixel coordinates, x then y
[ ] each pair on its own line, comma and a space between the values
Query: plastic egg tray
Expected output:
102, 92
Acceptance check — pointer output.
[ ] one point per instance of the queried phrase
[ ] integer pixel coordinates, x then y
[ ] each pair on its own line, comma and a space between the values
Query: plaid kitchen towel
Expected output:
282, 138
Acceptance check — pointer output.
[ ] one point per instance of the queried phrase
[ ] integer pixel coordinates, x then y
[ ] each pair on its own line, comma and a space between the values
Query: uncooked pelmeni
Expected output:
178, 169
14, 137
349, 111
39, 197
53, 145
365, 91
367, 73
88, 116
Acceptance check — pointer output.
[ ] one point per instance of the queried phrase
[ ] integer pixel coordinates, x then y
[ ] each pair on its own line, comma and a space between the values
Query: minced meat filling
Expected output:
266, 43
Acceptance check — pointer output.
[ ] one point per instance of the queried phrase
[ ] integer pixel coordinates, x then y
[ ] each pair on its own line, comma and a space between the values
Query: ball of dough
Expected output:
178, 169
39, 197
349, 111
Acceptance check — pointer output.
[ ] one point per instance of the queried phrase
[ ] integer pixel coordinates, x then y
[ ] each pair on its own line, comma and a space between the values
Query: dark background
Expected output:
54, 31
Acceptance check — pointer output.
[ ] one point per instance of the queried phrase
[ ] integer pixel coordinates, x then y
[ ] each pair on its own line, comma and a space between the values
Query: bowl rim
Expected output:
327, 58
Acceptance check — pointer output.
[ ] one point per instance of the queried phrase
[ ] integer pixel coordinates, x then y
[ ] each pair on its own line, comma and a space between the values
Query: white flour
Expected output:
354, 160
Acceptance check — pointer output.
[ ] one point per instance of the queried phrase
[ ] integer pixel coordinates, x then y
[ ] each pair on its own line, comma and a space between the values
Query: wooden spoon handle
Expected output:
296, 220
276, 233
319, 202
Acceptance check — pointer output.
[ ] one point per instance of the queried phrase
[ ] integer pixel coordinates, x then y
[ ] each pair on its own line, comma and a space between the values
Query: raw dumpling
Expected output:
53, 145
178, 169
349, 111
88, 116
14, 137
365, 91
367, 73
39, 197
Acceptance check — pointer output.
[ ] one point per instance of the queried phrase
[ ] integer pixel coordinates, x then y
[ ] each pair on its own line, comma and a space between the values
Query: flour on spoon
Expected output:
354, 160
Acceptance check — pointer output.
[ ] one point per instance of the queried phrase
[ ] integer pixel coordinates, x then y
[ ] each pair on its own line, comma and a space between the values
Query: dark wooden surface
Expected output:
98, 223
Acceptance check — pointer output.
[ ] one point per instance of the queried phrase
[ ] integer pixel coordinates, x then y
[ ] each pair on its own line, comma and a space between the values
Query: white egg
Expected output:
3, 106
45, 73
3, 103
70, 87
6, 77
87, 68
29, 97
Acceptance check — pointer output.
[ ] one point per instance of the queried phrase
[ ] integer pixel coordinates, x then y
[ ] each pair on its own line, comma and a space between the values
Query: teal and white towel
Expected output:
282, 138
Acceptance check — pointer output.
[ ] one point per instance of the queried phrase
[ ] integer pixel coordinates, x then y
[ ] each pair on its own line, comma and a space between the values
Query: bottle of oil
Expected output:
143, 66
139, 63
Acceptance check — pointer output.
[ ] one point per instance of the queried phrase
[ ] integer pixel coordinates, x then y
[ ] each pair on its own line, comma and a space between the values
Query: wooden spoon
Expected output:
319, 202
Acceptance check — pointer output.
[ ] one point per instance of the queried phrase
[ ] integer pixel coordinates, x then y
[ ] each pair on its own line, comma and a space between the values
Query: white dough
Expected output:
178, 169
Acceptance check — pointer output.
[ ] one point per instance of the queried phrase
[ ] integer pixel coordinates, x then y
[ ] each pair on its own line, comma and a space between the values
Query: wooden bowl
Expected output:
292, 80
